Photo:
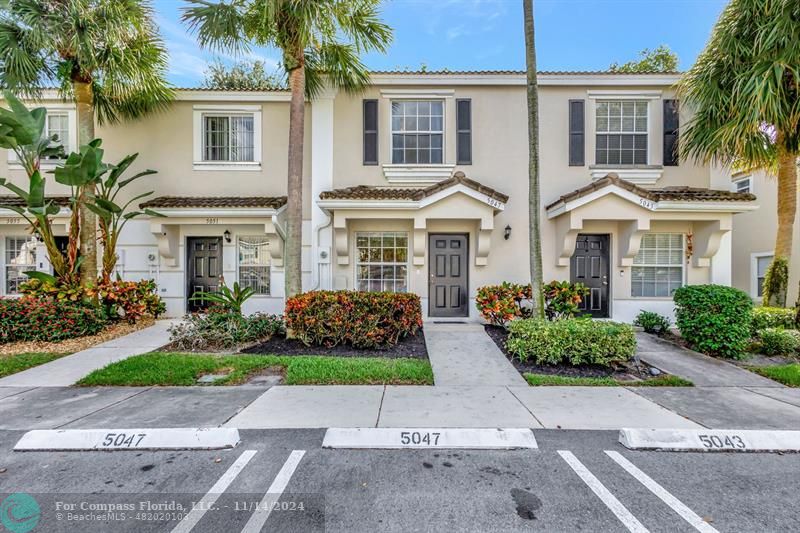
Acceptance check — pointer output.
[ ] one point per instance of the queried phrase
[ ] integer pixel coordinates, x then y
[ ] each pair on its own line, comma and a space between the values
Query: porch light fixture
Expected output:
507, 233
227, 236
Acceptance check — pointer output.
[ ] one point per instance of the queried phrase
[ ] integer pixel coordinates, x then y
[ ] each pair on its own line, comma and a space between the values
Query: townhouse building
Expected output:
420, 184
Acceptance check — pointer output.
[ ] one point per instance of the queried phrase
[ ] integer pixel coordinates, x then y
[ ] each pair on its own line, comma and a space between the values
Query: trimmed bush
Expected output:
772, 317
777, 341
30, 319
652, 322
359, 319
500, 304
223, 330
573, 341
714, 319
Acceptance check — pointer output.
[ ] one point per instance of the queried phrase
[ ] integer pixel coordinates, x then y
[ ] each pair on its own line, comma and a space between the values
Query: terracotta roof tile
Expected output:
445, 72
369, 192
188, 202
684, 194
16, 201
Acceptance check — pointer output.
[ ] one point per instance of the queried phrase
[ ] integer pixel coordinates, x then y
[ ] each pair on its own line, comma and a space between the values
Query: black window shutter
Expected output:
370, 132
464, 132
577, 136
671, 125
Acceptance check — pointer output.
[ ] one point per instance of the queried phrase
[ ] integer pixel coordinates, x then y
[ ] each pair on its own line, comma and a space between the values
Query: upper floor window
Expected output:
742, 185
418, 132
57, 128
621, 128
228, 138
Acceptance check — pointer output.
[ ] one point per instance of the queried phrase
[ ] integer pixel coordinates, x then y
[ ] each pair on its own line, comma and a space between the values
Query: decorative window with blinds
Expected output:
228, 138
254, 264
658, 267
382, 261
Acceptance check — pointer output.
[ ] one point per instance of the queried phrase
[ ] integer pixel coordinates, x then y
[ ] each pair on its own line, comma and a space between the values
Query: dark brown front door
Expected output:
204, 268
589, 265
448, 288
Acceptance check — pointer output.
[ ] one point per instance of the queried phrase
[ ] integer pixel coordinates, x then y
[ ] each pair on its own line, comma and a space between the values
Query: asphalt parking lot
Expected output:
570, 483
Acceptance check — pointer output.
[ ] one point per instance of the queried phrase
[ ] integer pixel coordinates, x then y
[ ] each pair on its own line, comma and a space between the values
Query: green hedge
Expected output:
714, 319
28, 319
779, 341
359, 319
772, 317
573, 341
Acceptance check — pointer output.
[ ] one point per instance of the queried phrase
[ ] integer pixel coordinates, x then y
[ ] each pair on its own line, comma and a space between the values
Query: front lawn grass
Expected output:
789, 374
11, 364
163, 368
545, 380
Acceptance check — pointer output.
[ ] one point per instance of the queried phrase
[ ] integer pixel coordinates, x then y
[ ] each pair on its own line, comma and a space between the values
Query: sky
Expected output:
488, 34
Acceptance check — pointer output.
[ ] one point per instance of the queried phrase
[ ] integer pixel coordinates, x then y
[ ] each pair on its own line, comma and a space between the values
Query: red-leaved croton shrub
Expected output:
30, 319
500, 304
129, 300
360, 319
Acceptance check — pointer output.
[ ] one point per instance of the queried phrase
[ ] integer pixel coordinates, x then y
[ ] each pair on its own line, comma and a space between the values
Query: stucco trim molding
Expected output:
417, 174
645, 175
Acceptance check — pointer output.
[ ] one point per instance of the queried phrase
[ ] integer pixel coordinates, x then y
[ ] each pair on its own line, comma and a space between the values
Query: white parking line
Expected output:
674, 503
259, 517
194, 516
619, 510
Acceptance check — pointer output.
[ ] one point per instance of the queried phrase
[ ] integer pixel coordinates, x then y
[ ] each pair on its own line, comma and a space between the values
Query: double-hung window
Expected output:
382, 261
57, 128
417, 132
254, 264
658, 267
762, 263
229, 138
20, 258
621, 128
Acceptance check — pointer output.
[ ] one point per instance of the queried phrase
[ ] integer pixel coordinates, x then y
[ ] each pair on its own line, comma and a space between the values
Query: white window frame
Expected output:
754, 257
6, 264
441, 132
736, 181
358, 263
682, 266
70, 143
239, 265
622, 132
199, 114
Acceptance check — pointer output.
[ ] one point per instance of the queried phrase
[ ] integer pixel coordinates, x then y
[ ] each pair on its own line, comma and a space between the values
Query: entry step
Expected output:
440, 438
710, 440
128, 439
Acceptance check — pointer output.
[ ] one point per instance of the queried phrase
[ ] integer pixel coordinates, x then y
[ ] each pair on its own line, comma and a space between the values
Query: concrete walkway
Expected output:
463, 355
702, 370
68, 370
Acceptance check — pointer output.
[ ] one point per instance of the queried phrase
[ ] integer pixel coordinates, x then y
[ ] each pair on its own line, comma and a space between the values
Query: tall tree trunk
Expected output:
88, 221
787, 200
534, 207
294, 209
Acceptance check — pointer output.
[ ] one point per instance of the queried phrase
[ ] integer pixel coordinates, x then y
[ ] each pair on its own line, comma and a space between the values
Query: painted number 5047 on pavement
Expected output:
123, 440
419, 437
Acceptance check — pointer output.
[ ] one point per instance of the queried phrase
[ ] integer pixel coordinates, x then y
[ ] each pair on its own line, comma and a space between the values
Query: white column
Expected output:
720, 271
321, 180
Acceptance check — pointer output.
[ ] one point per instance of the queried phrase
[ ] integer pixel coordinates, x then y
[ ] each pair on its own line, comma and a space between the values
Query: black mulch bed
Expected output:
412, 346
624, 372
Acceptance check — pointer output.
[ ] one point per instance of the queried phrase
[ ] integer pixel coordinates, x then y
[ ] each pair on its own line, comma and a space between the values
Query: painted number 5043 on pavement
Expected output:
419, 437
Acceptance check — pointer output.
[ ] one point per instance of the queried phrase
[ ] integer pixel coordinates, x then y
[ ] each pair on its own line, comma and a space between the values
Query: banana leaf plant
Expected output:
23, 131
113, 215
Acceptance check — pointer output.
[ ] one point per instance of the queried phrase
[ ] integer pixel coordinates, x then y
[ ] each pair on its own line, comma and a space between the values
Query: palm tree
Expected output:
534, 233
745, 92
321, 41
105, 55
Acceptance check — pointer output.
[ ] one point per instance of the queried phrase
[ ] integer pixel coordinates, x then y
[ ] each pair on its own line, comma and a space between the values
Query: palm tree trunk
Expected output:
534, 207
294, 208
88, 221
787, 200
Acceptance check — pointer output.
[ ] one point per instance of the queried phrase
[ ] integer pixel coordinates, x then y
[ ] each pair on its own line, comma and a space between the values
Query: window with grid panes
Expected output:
20, 258
621, 128
658, 267
254, 264
228, 138
382, 261
57, 125
417, 132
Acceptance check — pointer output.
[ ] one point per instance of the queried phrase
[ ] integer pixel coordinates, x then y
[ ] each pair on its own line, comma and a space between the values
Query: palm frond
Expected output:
219, 26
